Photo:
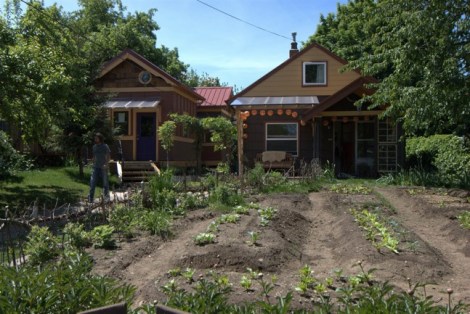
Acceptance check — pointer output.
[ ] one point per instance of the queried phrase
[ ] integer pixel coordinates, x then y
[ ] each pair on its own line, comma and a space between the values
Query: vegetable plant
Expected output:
350, 189
246, 282
254, 236
376, 231
464, 219
102, 237
204, 238
77, 235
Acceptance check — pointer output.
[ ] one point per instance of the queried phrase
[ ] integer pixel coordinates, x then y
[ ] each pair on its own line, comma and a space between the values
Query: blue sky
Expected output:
211, 42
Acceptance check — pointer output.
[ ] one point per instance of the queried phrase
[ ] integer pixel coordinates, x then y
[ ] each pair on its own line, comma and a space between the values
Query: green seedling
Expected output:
204, 238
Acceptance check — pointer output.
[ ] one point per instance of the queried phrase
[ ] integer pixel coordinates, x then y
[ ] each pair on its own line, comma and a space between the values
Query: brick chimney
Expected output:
293, 46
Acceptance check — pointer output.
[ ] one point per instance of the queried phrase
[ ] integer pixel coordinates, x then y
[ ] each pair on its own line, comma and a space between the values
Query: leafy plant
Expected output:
188, 274
174, 272
254, 236
464, 219
267, 214
350, 189
204, 238
306, 281
41, 246
228, 218
246, 282
63, 287
77, 235
157, 223
102, 237
376, 232
123, 219
226, 195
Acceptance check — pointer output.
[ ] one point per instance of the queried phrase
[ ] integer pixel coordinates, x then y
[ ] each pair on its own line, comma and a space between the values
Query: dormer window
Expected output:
314, 73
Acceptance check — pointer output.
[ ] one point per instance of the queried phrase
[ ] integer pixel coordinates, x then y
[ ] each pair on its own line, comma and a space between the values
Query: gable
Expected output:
126, 74
122, 74
287, 79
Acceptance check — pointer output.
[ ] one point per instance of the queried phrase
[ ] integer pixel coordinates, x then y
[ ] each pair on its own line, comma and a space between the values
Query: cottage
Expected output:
141, 97
304, 109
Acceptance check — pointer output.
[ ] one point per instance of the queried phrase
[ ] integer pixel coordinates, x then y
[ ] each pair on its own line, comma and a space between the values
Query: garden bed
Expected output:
317, 229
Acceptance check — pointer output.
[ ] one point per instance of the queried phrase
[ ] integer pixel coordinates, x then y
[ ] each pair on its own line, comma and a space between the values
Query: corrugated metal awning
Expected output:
270, 100
132, 103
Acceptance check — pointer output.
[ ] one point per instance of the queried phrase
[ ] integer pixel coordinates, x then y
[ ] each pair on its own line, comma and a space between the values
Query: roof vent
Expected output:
293, 46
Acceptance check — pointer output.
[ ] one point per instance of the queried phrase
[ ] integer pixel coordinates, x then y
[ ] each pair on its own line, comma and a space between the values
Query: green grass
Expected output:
47, 185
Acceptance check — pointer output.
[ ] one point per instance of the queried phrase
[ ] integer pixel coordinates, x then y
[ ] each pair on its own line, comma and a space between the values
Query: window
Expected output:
314, 73
282, 137
121, 122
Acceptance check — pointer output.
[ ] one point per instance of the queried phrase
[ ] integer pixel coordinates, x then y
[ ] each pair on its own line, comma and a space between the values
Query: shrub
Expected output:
255, 177
123, 220
42, 246
161, 191
226, 195
445, 154
77, 235
102, 237
157, 223
10, 160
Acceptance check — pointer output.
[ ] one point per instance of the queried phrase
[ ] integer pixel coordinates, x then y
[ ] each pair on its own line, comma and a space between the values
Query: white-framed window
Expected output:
121, 122
314, 73
282, 137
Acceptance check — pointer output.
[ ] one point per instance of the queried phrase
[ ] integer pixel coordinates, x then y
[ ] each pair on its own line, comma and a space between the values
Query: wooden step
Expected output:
137, 171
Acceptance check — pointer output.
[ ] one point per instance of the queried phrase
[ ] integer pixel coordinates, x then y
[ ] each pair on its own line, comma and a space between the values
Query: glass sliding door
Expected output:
366, 149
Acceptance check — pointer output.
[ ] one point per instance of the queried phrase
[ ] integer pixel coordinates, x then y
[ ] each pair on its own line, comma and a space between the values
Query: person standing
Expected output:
101, 157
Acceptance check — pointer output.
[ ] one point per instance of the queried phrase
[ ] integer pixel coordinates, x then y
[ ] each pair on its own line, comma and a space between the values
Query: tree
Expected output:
50, 59
165, 133
222, 133
420, 52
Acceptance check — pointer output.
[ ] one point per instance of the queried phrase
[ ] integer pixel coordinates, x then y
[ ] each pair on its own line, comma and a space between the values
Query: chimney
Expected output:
293, 46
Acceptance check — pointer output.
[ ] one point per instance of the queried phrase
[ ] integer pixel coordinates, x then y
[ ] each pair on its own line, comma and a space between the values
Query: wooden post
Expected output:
240, 141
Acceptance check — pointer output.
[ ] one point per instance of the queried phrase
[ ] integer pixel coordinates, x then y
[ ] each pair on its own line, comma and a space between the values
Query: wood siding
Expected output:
126, 74
256, 141
288, 80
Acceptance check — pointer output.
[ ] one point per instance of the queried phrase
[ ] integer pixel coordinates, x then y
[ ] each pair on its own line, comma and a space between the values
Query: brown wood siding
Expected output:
346, 104
180, 152
126, 74
127, 149
256, 141
288, 81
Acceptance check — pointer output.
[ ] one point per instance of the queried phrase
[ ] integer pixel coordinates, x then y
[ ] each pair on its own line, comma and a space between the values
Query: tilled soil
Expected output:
316, 229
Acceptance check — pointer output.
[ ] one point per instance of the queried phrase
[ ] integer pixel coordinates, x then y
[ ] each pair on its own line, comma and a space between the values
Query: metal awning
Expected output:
132, 103
270, 100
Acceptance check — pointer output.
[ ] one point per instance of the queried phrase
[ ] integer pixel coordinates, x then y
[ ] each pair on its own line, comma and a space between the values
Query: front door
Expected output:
146, 136
344, 147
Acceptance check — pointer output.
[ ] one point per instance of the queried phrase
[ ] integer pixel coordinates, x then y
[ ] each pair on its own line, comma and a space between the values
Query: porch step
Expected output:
137, 171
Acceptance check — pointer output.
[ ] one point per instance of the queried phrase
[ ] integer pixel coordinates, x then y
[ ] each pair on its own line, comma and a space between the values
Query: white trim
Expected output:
304, 82
282, 138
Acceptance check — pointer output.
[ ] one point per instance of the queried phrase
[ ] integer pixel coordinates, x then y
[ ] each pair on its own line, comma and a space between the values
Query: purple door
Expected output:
146, 136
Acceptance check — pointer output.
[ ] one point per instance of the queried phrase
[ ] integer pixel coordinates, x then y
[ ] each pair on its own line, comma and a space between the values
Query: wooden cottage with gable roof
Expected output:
141, 98
304, 110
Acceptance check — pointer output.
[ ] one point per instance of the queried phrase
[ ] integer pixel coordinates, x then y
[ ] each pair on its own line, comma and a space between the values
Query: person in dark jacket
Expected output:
101, 157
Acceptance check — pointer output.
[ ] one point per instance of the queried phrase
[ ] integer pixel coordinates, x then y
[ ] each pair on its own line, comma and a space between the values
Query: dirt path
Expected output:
431, 225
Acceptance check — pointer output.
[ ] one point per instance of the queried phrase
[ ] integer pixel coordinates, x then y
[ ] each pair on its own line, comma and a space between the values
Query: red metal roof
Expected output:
215, 96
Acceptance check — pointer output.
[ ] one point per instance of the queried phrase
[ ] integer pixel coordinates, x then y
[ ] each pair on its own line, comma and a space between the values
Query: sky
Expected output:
221, 46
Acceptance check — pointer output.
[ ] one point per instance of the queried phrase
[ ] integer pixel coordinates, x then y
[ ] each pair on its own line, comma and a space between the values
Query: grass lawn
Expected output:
48, 186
